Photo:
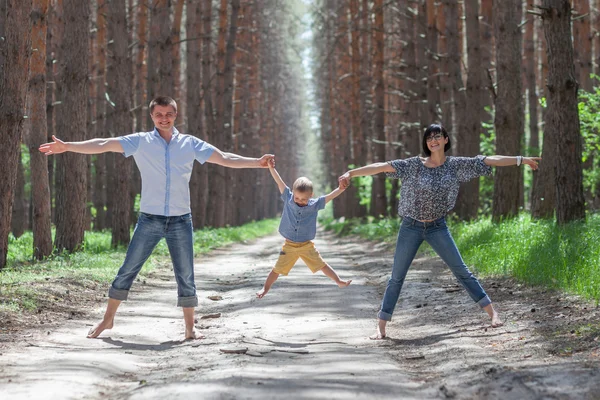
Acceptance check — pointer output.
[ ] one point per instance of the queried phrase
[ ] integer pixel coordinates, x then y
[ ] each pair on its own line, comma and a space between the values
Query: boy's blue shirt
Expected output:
299, 224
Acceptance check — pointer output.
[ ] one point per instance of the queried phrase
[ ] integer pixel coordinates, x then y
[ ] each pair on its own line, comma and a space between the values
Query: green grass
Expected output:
22, 280
534, 251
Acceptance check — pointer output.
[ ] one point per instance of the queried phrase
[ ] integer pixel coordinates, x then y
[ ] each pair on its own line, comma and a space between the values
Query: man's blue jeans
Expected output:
150, 229
412, 233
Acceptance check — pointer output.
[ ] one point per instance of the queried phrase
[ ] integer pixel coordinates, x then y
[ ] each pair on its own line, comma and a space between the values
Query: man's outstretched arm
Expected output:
92, 146
232, 160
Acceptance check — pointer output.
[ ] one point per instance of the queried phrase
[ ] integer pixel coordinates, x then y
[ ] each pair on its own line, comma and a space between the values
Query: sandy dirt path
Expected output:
307, 339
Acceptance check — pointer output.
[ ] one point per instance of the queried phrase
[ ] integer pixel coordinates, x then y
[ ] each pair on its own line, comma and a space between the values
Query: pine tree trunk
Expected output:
378, 195
71, 168
100, 192
563, 117
433, 79
175, 57
422, 68
446, 33
120, 75
487, 49
40, 189
509, 111
15, 53
467, 203
530, 66
353, 207
412, 138
583, 44
194, 107
20, 206
227, 108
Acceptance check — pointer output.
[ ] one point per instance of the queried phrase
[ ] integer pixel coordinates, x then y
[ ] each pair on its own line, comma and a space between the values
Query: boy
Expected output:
299, 227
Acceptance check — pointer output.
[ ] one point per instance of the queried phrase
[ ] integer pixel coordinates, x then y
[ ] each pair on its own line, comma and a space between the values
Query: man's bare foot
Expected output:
496, 321
380, 331
343, 284
99, 328
192, 334
261, 293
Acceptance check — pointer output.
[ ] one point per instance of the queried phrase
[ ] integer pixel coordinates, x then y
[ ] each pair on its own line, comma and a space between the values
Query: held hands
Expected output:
56, 147
266, 160
344, 181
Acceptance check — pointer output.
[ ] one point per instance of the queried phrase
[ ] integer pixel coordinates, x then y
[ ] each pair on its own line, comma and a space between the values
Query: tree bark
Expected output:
509, 111
119, 75
583, 44
71, 123
100, 178
40, 188
194, 107
488, 49
563, 116
15, 52
20, 207
467, 203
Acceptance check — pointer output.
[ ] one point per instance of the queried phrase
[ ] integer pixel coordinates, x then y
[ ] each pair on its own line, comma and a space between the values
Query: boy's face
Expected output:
301, 198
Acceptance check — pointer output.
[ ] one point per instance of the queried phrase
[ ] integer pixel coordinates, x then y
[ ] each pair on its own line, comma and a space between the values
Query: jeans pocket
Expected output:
186, 217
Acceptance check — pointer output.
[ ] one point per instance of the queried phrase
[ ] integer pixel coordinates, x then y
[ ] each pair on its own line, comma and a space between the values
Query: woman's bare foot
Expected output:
343, 284
99, 328
380, 331
261, 293
192, 334
496, 321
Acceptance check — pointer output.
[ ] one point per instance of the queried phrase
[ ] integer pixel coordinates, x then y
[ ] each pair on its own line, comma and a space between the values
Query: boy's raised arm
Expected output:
280, 183
335, 193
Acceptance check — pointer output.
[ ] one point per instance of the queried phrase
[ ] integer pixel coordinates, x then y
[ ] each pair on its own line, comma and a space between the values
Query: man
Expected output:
165, 159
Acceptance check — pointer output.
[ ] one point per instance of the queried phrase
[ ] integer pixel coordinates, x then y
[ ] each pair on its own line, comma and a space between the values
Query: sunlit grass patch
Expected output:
534, 251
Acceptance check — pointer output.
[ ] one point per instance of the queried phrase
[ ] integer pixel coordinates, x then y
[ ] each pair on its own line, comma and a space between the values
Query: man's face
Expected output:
164, 117
301, 198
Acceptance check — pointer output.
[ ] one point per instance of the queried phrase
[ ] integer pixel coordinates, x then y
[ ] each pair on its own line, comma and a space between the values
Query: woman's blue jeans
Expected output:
150, 229
412, 233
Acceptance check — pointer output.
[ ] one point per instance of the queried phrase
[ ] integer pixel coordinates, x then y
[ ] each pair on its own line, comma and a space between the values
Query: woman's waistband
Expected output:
416, 222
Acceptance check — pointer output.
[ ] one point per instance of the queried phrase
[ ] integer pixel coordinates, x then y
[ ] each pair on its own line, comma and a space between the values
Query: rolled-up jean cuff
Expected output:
486, 301
189, 301
118, 294
384, 316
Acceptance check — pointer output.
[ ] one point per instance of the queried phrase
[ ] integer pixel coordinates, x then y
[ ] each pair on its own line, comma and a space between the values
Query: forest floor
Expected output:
306, 339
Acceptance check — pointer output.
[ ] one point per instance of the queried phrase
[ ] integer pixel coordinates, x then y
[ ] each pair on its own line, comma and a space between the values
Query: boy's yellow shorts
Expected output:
290, 253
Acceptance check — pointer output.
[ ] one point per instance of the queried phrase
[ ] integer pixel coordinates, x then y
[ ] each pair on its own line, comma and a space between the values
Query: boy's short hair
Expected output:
163, 101
303, 185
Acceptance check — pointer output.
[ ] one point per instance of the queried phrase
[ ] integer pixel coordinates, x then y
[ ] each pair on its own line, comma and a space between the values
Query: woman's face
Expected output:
436, 142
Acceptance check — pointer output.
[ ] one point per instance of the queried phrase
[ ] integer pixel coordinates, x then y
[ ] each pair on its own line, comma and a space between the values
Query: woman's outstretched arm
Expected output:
367, 170
505, 161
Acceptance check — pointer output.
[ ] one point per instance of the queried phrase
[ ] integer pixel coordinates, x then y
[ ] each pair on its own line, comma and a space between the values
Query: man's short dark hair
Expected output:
163, 101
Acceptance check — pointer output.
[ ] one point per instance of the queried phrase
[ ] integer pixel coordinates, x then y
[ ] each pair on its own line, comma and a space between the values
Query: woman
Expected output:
429, 190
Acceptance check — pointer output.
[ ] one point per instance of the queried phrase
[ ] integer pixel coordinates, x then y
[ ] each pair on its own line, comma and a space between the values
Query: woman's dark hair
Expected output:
431, 131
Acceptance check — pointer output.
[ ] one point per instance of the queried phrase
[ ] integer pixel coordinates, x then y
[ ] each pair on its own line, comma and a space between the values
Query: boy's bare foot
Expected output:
343, 284
192, 334
261, 293
380, 331
99, 328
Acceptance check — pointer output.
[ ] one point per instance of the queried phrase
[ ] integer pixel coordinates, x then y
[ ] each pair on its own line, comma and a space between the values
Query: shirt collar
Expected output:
175, 132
